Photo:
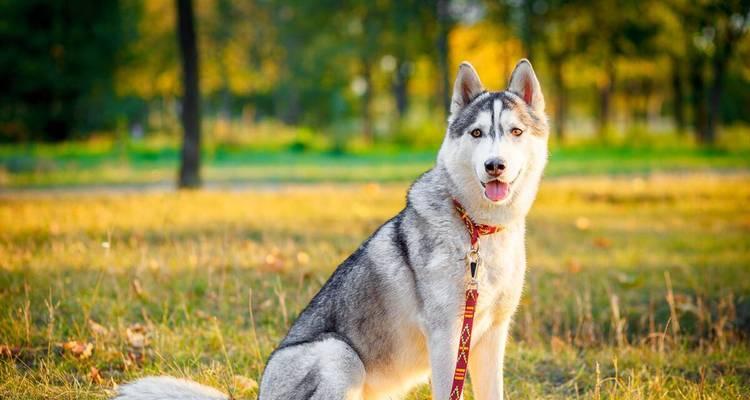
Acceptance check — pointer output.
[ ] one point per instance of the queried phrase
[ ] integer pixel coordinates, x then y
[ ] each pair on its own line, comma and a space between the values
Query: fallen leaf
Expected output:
79, 350
202, 314
95, 376
97, 329
137, 336
558, 345
574, 266
602, 242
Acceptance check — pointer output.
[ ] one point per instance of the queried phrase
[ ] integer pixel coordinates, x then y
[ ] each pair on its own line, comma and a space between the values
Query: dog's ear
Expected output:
466, 88
523, 82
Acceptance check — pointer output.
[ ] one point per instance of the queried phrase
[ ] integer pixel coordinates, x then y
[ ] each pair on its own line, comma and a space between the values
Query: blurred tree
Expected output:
618, 29
56, 66
731, 19
671, 42
369, 23
316, 59
444, 25
408, 34
191, 114
711, 32
554, 30
561, 33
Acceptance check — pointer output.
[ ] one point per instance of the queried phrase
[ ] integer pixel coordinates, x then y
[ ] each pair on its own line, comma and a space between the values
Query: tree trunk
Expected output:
367, 130
191, 118
560, 97
400, 84
442, 55
721, 58
698, 93
678, 97
527, 36
605, 98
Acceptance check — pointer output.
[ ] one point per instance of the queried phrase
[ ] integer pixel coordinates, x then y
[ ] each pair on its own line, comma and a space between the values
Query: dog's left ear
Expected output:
523, 82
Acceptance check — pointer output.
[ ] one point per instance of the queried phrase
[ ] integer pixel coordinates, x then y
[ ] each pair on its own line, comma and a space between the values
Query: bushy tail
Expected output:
167, 388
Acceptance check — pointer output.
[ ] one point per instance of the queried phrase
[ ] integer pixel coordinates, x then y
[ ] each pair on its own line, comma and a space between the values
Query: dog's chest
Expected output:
500, 278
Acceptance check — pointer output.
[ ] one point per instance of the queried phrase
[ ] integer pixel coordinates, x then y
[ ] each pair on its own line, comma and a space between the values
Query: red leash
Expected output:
472, 294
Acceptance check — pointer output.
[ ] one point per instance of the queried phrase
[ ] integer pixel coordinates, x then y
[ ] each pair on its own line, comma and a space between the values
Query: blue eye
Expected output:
476, 133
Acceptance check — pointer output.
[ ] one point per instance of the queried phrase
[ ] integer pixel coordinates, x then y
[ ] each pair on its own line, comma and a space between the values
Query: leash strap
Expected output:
472, 294
464, 341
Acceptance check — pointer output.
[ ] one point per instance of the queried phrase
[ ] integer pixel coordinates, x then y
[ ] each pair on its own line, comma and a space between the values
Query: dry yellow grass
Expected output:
637, 288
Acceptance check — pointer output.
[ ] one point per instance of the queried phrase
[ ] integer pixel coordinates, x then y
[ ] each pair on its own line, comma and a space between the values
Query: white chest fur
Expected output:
500, 278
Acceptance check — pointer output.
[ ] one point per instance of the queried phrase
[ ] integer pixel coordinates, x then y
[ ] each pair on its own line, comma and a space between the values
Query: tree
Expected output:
57, 61
444, 26
415, 20
711, 31
560, 38
730, 23
191, 118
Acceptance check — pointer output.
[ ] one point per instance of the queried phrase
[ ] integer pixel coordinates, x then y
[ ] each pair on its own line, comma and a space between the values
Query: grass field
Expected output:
154, 160
638, 288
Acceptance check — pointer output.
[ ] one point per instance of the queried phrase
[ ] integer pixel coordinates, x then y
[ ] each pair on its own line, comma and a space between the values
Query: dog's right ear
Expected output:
466, 88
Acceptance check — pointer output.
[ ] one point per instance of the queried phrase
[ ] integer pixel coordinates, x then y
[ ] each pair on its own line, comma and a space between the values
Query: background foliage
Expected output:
370, 71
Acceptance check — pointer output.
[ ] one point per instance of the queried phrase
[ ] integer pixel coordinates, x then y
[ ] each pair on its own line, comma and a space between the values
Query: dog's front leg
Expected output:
442, 343
486, 363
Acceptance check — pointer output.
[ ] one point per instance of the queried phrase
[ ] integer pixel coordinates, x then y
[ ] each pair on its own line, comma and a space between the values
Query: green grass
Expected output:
637, 288
155, 160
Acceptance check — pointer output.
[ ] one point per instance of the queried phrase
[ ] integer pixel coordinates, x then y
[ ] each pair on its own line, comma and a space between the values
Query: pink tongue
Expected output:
496, 190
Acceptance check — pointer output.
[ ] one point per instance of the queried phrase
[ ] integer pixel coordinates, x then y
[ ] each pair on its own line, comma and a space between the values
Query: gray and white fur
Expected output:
389, 316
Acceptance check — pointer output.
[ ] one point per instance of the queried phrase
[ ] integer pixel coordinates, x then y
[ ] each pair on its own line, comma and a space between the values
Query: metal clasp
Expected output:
473, 260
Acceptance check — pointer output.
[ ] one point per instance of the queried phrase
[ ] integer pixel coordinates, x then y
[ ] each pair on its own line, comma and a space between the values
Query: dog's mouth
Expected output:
496, 190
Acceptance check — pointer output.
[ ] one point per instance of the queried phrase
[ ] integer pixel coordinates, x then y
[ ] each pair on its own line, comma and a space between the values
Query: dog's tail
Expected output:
167, 388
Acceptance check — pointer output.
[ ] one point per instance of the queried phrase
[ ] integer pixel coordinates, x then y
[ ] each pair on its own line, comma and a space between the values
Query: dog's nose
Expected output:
494, 166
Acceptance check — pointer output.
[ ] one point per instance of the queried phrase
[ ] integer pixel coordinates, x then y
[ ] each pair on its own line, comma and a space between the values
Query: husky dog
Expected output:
389, 317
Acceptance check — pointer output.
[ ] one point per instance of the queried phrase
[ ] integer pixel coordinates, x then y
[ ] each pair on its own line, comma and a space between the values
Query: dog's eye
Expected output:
516, 132
476, 133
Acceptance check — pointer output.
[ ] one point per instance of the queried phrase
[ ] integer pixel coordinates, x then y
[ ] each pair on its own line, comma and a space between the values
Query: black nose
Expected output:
494, 166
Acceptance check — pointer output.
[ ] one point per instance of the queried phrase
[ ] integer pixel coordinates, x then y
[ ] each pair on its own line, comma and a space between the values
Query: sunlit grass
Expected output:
644, 280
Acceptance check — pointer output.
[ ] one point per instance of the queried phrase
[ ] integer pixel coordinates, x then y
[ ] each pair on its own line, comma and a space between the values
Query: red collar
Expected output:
475, 230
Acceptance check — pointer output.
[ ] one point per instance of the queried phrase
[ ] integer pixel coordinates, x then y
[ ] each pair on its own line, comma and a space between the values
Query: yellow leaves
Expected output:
78, 349
491, 50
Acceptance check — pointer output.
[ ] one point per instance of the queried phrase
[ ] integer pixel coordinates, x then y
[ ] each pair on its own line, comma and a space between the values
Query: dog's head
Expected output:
495, 147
